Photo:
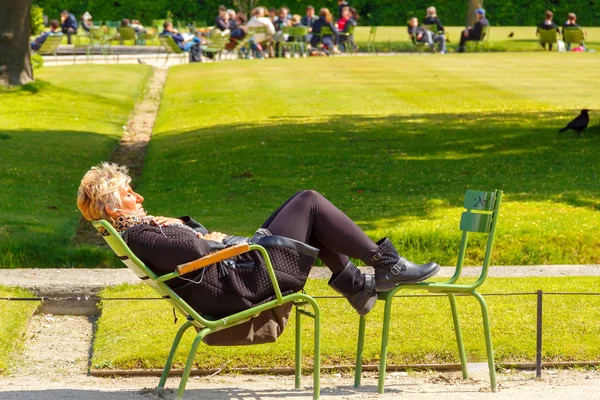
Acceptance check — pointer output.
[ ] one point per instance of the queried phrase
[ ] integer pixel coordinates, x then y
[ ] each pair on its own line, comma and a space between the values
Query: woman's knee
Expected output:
310, 196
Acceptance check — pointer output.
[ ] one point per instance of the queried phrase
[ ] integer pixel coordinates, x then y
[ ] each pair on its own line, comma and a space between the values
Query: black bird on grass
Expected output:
579, 123
511, 34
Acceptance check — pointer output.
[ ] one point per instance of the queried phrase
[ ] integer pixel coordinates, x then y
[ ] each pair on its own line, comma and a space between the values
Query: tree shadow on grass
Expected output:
391, 167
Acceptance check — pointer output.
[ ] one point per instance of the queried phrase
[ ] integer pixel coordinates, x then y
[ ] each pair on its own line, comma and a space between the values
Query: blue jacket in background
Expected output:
70, 22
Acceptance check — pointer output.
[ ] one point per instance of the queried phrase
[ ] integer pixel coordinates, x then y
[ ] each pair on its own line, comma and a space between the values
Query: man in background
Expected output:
39, 41
69, 24
475, 32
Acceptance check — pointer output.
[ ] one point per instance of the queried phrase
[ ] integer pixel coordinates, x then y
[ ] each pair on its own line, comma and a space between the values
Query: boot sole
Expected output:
367, 307
384, 287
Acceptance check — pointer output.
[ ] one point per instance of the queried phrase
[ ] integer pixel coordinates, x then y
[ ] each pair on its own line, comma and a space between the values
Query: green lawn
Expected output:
13, 320
395, 38
51, 132
421, 329
394, 142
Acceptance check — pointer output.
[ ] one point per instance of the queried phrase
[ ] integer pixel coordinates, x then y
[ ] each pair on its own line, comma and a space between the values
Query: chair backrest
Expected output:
325, 30
126, 33
480, 216
372, 34
485, 33
50, 44
169, 44
431, 28
97, 33
217, 43
548, 35
254, 30
296, 31
125, 254
573, 34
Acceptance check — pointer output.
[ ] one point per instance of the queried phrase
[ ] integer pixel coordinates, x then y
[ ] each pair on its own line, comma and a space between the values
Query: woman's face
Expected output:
131, 202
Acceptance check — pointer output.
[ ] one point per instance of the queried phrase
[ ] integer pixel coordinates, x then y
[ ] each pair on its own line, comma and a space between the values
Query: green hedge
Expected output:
374, 12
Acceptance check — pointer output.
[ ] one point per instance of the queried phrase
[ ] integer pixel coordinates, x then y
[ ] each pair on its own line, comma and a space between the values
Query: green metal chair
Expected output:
371, 40
297, 45
349, 45
168, 43
479, 45
50, 45
325, 31
98, 39
481, 216
216, 44
573, 35
547, 36
206, 325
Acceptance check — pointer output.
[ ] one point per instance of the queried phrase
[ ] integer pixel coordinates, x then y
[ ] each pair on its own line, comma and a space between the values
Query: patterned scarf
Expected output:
125, 222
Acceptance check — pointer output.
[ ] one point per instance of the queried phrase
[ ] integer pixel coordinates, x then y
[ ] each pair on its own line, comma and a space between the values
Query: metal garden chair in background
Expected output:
297, 44
205, 325
49, 46
573, 35
371, 40
216, 44
479, 45
548, 36
481, 216
349, 45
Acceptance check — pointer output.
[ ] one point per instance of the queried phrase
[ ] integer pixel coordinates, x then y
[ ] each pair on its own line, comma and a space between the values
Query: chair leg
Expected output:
190, 362
359, 351
459, 339
317, 350
174, 346
384, 341
488, 339
298, 363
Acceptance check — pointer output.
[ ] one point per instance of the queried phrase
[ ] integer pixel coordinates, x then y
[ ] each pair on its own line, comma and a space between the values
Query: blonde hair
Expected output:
100, 188
431, 11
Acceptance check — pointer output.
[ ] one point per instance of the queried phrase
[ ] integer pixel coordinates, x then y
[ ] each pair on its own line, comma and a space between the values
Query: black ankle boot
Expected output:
391, 269
356, 287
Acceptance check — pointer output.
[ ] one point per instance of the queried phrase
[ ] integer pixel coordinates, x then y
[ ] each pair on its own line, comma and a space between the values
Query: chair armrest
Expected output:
213, 258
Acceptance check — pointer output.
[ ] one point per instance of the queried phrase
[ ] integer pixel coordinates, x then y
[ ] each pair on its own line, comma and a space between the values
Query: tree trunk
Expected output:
473, 5
15, 25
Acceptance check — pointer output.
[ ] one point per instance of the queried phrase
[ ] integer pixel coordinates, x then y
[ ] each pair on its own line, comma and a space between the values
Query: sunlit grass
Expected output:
51, 132
421, 332
394, 142
13, 319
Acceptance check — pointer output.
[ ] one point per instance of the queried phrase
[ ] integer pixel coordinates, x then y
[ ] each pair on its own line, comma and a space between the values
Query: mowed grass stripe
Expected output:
399, 173
421, 330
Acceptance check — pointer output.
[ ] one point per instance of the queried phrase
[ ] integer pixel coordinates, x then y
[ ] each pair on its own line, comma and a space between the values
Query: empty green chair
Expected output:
216, 44
480, 217
349, 45
205, 325
297, 44
371, 40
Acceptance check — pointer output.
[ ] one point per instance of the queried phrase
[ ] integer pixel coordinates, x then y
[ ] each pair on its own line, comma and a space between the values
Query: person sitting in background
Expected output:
432, 19
232, 18
273, 14
341, 5
570, 24
345, 38
418, 34
280, 23
39, 41
341, 22
547, 25
259, 20
327, 41
138, 27
68, 24
86, 21
222, 19
239, 32
184, 43
475, 32
309, 19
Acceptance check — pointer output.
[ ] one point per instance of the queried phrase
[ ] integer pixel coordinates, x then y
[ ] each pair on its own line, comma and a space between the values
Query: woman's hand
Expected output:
166, 221
214, 236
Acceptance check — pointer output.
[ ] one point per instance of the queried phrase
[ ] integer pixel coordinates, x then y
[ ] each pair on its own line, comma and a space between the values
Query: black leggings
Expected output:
311, 218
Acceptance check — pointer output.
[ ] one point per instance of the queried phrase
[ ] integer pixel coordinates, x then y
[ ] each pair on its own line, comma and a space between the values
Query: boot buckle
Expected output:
396, 269
376, 256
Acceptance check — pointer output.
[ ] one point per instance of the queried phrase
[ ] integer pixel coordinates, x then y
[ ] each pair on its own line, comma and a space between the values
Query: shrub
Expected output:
37, 61
37, 20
